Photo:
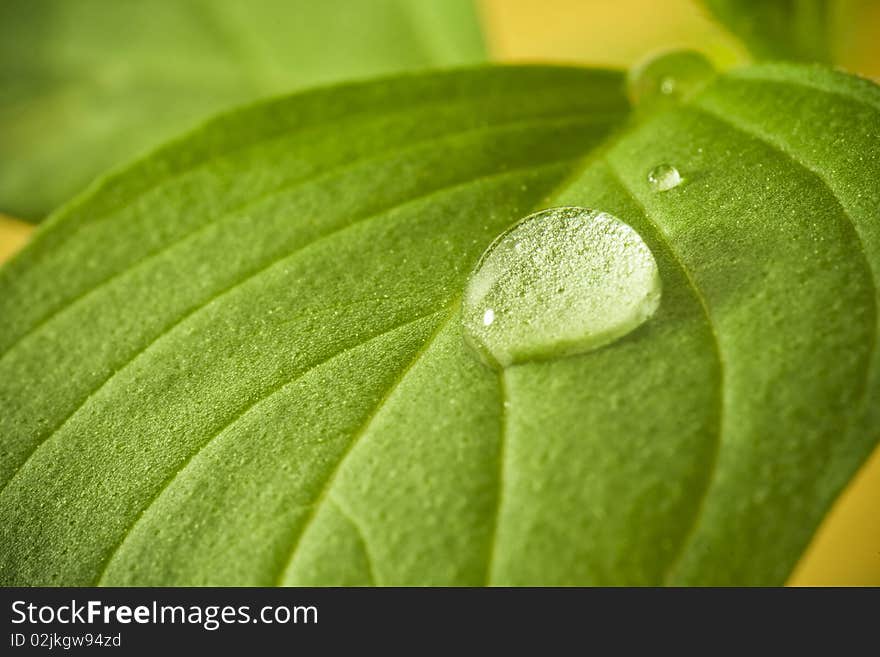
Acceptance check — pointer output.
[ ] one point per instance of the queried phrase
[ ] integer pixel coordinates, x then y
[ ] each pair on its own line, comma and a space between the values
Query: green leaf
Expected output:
240, 361
86, 85
780, 29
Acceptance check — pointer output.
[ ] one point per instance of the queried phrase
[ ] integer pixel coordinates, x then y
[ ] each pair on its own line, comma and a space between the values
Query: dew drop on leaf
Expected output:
664, 177
671, 75
562, 281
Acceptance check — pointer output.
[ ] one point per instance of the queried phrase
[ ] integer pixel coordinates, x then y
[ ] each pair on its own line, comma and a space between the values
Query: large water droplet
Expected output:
562, 281
672, 75
664, 177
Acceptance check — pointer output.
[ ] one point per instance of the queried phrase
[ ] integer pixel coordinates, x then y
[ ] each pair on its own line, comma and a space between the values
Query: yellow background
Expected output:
846, 549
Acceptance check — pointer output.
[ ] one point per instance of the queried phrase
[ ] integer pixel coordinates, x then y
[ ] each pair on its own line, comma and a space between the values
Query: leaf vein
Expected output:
752, 132
701, 299
371, 569
237, 284
804, 84
502, 465
355, 440
237, 418
217, 123
280, 191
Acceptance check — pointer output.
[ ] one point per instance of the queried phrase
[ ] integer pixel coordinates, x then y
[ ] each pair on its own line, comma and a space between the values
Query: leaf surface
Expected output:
240, 361
86, 85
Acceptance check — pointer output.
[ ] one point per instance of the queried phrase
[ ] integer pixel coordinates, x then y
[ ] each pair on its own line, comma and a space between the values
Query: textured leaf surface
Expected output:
780, 29
86, 85
239, 362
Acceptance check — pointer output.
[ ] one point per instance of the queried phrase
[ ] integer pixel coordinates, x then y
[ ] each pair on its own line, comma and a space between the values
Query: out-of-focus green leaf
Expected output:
780, 29
86, 85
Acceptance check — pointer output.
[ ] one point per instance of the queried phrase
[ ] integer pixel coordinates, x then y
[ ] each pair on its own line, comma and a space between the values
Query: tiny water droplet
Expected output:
579, 280
671, 75
664, 177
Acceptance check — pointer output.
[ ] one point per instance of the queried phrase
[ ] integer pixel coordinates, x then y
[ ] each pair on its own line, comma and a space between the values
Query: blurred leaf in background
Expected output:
827, 31
781, 29
86, 85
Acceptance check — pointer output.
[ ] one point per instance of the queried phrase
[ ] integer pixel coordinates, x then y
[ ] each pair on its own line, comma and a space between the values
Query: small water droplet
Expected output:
671, 75
580, 279
664, 177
